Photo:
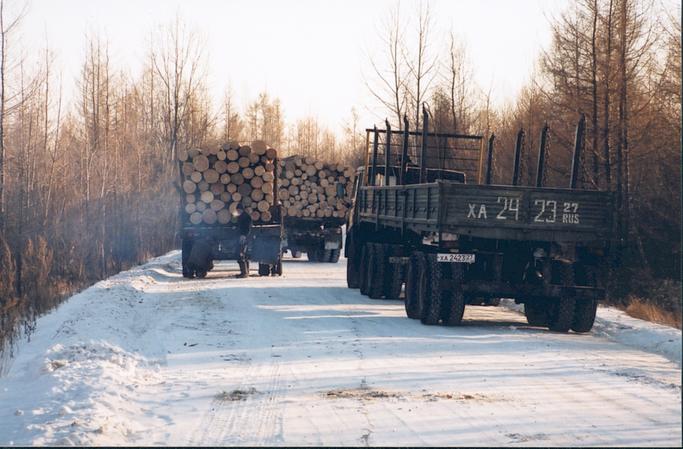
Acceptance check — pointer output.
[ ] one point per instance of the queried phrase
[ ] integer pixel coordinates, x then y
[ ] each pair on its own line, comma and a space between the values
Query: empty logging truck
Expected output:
427, 215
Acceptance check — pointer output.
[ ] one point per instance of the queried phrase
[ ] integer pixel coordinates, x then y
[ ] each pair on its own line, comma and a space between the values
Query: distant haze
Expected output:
313, 55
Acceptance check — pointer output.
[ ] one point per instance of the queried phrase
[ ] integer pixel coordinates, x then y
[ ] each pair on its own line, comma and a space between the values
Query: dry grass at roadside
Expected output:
638, 308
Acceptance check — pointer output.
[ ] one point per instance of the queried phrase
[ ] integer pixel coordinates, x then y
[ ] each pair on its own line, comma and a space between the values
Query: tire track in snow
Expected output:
249, 414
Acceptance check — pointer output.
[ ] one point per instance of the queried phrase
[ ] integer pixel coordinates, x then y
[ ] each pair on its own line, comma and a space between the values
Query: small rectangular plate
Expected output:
399, 260
332, 245
455, 257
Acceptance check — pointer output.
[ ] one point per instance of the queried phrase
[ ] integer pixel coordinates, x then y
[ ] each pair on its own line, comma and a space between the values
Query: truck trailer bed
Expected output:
490, 211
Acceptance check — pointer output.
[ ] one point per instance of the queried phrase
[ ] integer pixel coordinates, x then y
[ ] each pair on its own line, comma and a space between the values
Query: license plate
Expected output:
331, 245
455, 257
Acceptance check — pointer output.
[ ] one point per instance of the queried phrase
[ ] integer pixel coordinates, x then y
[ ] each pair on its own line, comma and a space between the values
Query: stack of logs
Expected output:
312, 189
215, 181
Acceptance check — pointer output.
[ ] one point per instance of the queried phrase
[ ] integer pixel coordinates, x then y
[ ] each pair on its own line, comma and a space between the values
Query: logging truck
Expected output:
215, 182
427, 217
316, 199
319, 238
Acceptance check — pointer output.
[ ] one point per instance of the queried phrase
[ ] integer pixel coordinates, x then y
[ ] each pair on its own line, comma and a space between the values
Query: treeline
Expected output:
618, 63
264, 119
86, 184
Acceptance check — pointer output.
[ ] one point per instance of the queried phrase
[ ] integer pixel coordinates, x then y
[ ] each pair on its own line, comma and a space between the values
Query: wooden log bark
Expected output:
219, 178
189, 186
200, 163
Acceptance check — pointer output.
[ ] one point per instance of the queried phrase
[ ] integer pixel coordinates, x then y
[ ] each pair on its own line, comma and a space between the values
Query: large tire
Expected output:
584, 315
394, 274
312, 255
376, 271
352, 262
276, 268
185, 255
586, 309
432, 296
352, 275
334, 255
424, 283
363, 269
561, 314
263, 269
453, 300
412, 302
315, 254
536, 313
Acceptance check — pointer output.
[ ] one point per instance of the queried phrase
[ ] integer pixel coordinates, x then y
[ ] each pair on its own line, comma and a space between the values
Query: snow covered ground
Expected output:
148, 358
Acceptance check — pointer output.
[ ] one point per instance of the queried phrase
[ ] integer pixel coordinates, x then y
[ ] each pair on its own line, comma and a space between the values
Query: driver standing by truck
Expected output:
244, 227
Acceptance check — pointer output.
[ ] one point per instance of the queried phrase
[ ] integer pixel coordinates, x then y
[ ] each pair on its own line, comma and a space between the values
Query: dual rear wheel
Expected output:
433, 290
378, 278
323, 255
563, 314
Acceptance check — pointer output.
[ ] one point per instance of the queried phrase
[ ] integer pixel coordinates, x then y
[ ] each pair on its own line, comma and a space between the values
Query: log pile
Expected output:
215, 181
309, 188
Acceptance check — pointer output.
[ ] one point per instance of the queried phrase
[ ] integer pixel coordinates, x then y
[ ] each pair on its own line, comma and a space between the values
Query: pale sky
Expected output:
311, 54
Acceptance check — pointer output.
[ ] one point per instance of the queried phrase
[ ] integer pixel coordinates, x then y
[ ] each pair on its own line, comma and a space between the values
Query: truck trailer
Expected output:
218, 184
429, 219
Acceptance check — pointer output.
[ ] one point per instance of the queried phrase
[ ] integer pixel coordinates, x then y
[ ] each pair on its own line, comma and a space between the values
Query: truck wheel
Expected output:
586, 309
185, 255
276, 268
263, 269
352, 275
312, 255
334, 255
561, 313
352, 253
376, 270
394, 273
584, 315
201, 274
453, 300
412, 303
422, 286
433, 297
363, 269
326, 255
536, 313
296, 254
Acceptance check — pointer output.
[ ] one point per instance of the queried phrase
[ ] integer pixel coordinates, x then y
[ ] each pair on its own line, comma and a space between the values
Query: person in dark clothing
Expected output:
244, 227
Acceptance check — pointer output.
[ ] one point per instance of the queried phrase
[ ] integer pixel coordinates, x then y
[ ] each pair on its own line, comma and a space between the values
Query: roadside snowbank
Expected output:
75, 381
616, 325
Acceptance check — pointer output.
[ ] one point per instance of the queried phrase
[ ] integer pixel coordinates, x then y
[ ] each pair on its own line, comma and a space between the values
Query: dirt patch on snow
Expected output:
456, 397
371, 394
361, 393
235, 395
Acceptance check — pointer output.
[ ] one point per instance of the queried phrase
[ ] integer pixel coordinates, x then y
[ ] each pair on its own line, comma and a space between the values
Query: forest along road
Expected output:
149, 358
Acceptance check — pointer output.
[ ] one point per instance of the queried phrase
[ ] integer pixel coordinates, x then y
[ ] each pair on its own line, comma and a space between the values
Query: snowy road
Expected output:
148, 358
